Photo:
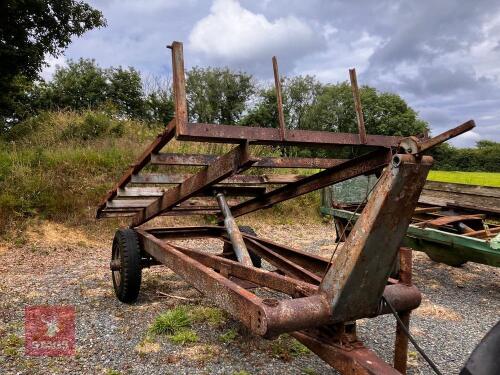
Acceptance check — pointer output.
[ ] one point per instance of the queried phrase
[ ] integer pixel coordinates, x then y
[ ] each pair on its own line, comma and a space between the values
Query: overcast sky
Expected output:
442, 56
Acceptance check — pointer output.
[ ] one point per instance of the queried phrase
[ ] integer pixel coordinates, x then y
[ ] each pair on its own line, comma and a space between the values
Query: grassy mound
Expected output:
58, 166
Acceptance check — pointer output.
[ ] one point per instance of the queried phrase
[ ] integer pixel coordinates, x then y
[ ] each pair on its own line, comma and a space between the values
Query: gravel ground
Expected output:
59, 266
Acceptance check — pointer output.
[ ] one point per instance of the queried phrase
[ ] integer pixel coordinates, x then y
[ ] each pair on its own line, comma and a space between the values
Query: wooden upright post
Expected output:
279, 99
179, 84
357, 105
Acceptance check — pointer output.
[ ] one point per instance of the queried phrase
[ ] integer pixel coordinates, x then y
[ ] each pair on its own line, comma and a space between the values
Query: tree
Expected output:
298, 94
384, 113
80, 85
217, 95
29, 31
85, 85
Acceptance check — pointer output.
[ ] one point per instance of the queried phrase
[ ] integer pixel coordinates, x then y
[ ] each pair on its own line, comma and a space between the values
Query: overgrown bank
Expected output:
59, 165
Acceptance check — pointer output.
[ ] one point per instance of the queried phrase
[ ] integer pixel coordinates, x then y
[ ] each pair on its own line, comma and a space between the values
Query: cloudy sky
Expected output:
442, 56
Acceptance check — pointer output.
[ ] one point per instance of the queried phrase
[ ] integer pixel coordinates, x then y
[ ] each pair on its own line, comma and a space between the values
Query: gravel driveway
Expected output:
61, 266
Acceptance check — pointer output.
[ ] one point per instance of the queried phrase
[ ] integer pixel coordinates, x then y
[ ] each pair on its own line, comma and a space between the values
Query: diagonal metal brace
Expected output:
357, 277
234, 232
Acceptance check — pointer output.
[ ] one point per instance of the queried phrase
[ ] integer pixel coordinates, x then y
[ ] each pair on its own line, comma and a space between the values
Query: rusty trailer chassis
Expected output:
316, 300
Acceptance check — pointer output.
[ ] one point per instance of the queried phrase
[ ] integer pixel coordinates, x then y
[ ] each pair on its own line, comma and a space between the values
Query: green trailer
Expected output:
446, 233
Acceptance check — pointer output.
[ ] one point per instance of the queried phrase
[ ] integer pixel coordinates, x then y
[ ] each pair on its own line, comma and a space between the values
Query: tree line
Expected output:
29, 31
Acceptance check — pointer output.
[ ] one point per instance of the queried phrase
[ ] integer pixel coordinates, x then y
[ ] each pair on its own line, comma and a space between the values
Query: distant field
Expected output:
469, 178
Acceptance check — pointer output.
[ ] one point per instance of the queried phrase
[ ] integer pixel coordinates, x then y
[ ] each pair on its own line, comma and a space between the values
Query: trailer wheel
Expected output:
229, 252
126, 270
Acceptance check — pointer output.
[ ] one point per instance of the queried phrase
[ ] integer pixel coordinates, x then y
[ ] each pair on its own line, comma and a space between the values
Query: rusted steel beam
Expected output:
201, 132
355, 359
413, 145
357, 106
282, 263
262, 162
233, 162
179, 86
351, 168
172, 233
356, 280
265, 317
401, 342
310, 262
144, 159
233, 232
263, 278
268, 179
279, 99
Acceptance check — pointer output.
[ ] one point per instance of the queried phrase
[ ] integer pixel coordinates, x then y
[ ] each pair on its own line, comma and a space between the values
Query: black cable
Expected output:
410, 337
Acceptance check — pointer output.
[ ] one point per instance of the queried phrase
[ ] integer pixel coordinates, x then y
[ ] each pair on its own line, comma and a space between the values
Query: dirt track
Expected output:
64, 267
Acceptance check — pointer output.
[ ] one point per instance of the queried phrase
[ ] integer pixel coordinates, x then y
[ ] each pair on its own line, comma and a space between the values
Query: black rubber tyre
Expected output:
127, 280
228, 248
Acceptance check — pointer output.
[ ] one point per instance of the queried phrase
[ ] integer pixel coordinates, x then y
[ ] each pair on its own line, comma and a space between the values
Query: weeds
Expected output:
171, 322
183, 336
211, 315
228, 336
287, 348
11, 344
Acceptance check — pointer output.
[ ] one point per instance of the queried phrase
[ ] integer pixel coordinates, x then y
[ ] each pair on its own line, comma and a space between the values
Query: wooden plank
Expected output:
262, 162
144, 159
159, 178
357, 106
229, 190
233, 162
179, 86
483, 191
279, 99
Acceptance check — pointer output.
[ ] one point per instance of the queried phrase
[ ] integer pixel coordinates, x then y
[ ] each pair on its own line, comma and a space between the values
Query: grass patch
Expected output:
11, 344
309, 371
171, 321
468, 178
211, 315
287, 348
228, 336
184, 336
241, 372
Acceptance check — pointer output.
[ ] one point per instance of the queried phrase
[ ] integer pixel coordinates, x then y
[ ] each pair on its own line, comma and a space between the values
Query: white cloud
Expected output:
468, 139
233, 33
52, 63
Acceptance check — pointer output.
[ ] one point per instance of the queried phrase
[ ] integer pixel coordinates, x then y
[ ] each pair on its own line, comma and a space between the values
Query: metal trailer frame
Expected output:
449, 226
320, 299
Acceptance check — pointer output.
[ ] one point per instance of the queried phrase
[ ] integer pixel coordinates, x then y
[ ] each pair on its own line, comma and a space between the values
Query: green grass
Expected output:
286, 348
11, 344
171, 321
211, 315
59, 165
228, 336
183, 336
469, 178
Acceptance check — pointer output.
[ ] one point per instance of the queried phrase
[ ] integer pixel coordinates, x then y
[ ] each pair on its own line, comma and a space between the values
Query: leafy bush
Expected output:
94, 125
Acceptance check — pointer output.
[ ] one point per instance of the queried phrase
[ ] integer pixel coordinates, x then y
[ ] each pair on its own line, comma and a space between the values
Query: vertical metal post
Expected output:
401, 343
357, 105
234, 232
179, 85
279, 99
